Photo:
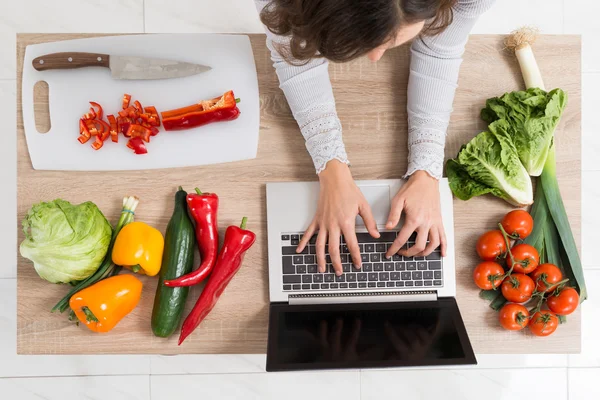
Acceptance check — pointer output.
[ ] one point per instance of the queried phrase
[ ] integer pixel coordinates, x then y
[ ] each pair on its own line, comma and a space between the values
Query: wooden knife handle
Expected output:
70, 60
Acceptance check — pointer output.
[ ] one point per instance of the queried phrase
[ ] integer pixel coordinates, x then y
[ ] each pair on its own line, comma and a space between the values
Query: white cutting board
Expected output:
70, 92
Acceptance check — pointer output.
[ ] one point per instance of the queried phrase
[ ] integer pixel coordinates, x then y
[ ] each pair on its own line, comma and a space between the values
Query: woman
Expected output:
302, 35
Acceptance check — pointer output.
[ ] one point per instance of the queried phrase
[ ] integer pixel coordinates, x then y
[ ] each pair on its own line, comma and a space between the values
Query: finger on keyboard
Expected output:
307, 235
334, 250
320, 246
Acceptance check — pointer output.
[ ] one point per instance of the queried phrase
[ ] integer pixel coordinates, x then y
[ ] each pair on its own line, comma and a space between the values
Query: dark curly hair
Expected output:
342, 30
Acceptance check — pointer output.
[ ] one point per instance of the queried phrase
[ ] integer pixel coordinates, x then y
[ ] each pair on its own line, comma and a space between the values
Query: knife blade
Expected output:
121, 67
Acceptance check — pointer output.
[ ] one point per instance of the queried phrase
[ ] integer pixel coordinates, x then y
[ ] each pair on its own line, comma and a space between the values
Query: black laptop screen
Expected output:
367, 335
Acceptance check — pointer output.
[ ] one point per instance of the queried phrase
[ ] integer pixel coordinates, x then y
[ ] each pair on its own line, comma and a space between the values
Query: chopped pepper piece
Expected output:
137, 145
222, 108
139, 247
114, 132
126, 100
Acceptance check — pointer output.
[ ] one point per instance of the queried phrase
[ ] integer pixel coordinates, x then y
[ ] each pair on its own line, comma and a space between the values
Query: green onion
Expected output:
107, 268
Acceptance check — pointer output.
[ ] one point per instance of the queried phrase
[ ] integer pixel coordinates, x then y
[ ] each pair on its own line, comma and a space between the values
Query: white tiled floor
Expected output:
242, 376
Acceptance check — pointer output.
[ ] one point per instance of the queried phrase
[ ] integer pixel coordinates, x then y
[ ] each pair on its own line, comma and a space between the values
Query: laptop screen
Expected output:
367, 335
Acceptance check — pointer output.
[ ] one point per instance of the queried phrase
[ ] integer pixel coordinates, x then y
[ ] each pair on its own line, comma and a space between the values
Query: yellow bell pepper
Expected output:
139, 247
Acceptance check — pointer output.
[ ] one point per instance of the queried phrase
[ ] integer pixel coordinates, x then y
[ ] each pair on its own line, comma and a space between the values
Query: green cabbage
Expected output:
65, 242
532, 115
489, 163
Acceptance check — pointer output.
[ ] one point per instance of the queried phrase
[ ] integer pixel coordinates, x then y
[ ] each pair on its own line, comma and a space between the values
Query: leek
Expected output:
552, 234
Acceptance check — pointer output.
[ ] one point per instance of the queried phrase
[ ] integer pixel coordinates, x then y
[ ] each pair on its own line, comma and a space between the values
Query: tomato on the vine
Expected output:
564, 302
543, 323
488, 275
518, 288
518, 223
491, 245
526, 258
514, 317
545, 276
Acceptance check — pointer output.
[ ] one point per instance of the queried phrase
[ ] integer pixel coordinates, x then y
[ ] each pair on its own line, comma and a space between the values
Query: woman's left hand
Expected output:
419, 200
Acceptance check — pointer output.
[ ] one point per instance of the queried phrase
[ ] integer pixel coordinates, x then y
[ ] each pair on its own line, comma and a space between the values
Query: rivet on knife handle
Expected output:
70, 60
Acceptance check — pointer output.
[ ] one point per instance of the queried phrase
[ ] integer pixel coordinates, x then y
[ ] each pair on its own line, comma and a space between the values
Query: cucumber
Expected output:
178, 260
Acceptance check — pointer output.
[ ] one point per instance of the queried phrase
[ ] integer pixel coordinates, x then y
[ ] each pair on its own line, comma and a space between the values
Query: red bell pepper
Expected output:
137, 145
237, 242
136, 130
203, 208
114, 128
222, 108
126, 100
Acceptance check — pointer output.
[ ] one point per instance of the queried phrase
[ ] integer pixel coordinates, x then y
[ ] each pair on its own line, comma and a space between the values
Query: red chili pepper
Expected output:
126, 100
154, 119
222, 108
237, 242
203, 208
114, 128
137, 145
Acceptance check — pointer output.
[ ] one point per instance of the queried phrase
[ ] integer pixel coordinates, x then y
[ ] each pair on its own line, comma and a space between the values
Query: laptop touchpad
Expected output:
378, 197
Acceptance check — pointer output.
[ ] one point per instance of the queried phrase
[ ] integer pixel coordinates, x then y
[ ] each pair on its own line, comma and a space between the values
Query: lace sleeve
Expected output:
308, 91
434, 67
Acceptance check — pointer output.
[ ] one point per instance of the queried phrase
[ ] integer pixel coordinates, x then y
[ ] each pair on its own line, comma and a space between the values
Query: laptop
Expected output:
390, 313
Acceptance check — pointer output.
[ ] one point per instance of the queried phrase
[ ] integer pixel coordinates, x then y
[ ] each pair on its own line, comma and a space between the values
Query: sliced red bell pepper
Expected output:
83, 139
90, 115
137, 145
98, 110
138, 106
222, 108
98, 143
126, 100
114, 132
154, 119
83, 130
123, 124
139, 131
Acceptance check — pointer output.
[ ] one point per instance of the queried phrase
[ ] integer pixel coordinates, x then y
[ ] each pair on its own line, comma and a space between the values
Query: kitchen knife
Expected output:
121, 67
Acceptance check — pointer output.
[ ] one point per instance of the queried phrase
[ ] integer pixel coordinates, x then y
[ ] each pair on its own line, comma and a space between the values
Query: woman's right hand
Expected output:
340, 201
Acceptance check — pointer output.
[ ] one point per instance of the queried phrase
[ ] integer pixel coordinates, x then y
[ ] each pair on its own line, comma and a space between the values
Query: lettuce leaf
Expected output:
532, 116
489, 163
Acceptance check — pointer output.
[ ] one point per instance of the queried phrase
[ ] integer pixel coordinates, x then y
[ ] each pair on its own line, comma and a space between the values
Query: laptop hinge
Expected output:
361, 297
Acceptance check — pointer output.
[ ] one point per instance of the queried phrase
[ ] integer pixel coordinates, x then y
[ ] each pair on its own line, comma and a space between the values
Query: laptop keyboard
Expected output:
300, 271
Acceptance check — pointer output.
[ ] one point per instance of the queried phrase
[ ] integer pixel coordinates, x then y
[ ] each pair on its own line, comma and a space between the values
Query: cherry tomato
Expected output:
526, 258
518, 288
565, 302
488, 275
543, 323
518, 223
491, 245
545, 275
514, 317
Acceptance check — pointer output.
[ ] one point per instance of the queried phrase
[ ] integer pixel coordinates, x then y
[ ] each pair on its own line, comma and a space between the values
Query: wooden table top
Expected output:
371, 101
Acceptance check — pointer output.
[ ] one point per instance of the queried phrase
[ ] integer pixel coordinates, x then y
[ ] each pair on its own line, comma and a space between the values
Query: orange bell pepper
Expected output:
101, 306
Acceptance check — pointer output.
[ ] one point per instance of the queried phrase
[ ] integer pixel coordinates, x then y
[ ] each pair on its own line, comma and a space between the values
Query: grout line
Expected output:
66, 376
149, 387
568, 373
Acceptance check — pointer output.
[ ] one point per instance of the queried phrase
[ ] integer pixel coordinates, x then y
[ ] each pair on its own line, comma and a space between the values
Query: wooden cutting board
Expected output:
232, 63
371, 101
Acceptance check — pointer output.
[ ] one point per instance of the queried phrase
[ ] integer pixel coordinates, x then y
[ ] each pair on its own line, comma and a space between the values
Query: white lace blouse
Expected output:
434, 67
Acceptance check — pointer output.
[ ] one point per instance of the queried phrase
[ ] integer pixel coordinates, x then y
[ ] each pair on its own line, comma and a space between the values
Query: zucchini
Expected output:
178, 260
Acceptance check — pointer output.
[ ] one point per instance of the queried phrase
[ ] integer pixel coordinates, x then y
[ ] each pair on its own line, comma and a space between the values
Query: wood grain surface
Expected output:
371, 101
